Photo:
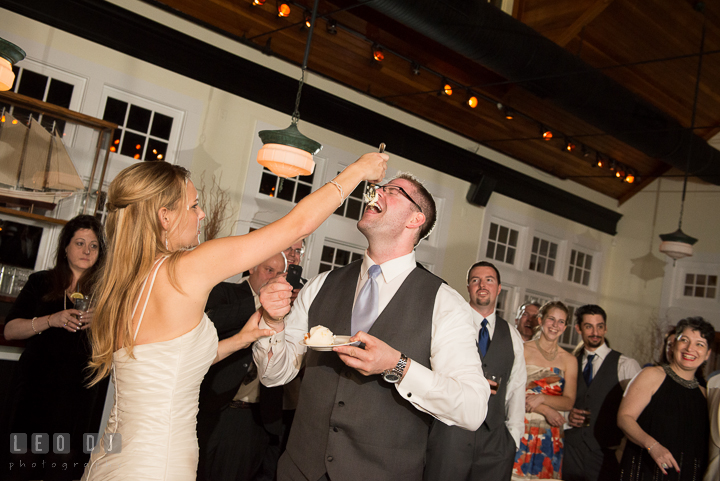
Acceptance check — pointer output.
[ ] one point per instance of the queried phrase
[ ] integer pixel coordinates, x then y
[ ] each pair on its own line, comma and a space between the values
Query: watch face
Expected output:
391, 376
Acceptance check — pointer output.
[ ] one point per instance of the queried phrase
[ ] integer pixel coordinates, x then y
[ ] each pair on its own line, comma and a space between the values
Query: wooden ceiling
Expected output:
650, 47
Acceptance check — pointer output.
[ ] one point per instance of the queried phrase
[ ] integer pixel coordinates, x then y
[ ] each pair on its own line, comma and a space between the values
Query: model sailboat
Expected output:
35, 168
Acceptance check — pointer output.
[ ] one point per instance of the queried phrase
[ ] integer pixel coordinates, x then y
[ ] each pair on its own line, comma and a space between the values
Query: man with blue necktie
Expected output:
591, 443
489, 452
364, 410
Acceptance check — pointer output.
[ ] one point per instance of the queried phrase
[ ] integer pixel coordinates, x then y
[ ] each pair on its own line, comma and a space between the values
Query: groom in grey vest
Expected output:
488, 453
365, 410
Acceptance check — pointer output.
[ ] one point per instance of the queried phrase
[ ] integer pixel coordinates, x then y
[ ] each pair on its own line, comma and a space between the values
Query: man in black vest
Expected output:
365, 410
488, 453
234, 433
603, 374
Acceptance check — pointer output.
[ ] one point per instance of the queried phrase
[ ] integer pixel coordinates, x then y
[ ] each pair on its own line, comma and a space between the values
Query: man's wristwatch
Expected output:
395, 374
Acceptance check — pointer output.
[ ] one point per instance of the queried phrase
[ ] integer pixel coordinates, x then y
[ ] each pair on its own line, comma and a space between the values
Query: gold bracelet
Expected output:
48, 321
342, 194
32, 324
269, 320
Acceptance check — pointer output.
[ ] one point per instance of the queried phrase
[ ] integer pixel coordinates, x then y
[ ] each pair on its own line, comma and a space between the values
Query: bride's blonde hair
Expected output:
135, 239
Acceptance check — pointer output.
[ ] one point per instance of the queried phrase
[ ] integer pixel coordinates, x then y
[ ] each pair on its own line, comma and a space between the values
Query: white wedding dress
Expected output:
156, 403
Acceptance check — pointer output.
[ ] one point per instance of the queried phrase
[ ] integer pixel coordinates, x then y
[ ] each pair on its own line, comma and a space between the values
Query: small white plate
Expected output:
338, 341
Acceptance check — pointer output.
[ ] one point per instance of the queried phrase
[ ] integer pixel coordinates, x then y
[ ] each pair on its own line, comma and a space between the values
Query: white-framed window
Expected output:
503, 307
690, 289
354, 205
502, 243
580, 267
539, 297
700, 285
147, 130
48, 84
543, 256
334, 256
570, 337
293, 189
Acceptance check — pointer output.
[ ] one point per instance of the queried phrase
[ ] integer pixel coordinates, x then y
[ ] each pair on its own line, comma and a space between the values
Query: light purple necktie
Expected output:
366, 305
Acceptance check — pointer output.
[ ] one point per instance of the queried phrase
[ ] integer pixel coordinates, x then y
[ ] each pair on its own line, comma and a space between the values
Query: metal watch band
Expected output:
394, 375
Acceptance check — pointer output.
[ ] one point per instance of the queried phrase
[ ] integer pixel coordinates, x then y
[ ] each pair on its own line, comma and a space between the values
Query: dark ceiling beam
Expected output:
142, 38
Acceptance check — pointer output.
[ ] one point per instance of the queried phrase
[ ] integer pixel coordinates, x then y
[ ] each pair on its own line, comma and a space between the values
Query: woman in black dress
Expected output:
664, 412
50, 394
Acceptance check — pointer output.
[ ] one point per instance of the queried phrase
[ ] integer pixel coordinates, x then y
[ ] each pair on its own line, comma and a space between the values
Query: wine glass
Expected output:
82, 305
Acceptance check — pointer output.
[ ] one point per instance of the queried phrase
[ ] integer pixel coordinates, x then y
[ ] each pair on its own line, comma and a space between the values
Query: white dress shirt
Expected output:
453, 391
627, 366
515, 393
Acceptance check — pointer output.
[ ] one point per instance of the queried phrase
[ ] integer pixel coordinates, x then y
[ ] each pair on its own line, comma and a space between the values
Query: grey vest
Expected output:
603, 398
357, 427
499, 361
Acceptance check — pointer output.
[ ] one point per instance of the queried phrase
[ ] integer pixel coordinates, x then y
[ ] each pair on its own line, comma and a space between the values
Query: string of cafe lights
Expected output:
569, 143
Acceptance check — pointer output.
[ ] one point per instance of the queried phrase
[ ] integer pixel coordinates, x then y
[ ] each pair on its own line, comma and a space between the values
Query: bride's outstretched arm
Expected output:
250, 333
219, 259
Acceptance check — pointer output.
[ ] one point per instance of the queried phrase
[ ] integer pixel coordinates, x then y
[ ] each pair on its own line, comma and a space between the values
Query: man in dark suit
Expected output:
233, 431
489, 452
590, 446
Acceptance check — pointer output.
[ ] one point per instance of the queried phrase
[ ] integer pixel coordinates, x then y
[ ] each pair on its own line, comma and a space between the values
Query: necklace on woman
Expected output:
549, 356
689, 384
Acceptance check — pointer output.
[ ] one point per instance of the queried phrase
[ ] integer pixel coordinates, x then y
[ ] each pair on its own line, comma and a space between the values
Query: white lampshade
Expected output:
7, 76
676, 250
286, 161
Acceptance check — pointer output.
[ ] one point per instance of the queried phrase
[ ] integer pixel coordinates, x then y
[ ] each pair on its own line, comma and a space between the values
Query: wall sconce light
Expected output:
507, 112
283, 10
377, 53
472, 101
331, 26
10, 54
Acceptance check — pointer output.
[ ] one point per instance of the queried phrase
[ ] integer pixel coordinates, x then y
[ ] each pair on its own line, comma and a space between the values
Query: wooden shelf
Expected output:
56, 111
28, 215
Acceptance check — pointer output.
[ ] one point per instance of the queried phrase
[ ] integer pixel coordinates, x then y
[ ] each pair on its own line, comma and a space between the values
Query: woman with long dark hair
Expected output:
50, 393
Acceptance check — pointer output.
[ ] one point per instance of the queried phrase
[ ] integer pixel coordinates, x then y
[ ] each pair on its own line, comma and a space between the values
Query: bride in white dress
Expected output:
159, 354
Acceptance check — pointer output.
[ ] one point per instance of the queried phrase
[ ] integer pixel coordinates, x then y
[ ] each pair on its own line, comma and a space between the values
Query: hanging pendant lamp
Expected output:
287, 152
678, 245
10, 54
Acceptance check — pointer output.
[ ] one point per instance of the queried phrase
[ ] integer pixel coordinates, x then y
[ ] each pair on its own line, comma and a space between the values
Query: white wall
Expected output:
218, 136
